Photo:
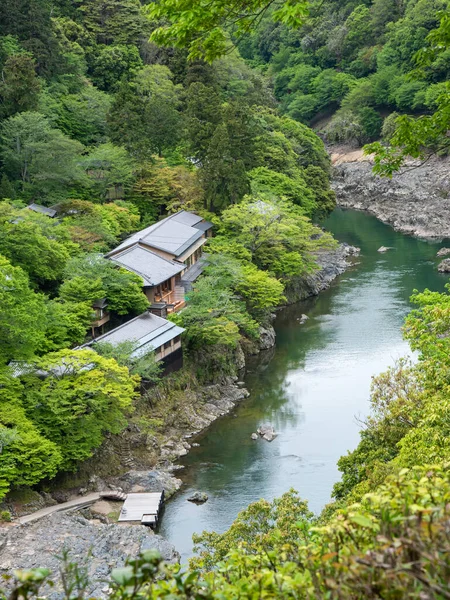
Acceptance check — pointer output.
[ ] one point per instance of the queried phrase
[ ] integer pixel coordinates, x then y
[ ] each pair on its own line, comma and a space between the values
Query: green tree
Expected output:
122, 289
42, 158
82, 397
19, 86
145, 113
21, 324
278, 236
110, 169
110, 64
26, 457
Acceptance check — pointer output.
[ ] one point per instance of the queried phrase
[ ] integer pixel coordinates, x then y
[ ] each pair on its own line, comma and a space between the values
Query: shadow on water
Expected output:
310, 387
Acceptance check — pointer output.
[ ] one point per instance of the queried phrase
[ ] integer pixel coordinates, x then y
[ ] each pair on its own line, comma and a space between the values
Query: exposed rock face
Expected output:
444, 266
332, 263
149, 481
38, 544
416, 201
267, 337
443, 252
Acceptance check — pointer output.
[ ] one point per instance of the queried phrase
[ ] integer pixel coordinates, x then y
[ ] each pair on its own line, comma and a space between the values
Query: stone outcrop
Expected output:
415, 201
332, 263
267, 337
444, 266
38, 544
267, 432
198, 498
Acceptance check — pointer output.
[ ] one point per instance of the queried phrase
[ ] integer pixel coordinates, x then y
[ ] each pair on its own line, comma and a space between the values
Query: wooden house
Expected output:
164, 255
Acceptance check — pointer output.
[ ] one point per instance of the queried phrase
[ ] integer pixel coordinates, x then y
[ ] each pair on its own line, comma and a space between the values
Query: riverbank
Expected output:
142, 459
415, 201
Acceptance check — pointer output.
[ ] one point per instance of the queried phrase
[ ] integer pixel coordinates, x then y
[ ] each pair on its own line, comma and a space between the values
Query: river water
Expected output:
312, 387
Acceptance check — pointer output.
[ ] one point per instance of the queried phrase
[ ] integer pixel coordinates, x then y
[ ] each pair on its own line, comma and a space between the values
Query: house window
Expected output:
167, 345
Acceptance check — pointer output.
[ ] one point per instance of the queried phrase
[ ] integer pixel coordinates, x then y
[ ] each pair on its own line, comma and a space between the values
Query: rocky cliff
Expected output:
415, 201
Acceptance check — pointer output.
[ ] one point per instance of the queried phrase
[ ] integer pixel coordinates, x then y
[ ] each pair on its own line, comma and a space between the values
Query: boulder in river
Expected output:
303, 319
267, 432
254, 436
198, 497
384, 249
444, 266
443, 252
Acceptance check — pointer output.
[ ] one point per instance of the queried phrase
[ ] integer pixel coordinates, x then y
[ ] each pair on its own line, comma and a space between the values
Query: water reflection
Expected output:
310, 388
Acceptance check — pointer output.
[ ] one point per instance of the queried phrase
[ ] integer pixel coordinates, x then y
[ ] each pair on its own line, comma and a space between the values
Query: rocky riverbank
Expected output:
97, 547
415, 201
145, 458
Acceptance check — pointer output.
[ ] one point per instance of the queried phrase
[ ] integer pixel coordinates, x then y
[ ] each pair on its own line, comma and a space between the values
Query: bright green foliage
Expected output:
276, 234
121, 288
145, 366
294, 189
214, 316
112, 21
26, 457
28, 242
21, 323
201, 28
42, 158
97, 227
66, 324
82, 396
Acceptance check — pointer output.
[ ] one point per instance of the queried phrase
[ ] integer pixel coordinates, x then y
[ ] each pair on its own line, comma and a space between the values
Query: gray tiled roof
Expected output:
153, 269
50, 212
146, 330
174, 234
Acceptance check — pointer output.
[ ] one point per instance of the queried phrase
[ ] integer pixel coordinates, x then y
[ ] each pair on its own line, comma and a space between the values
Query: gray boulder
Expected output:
443, 252
254, 436
444, 266
267, 432
198, 497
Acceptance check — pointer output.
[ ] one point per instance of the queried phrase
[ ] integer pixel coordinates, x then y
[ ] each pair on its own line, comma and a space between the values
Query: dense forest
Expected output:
115, 113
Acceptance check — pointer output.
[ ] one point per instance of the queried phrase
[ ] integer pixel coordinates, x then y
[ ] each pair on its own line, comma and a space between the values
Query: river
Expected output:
312, 387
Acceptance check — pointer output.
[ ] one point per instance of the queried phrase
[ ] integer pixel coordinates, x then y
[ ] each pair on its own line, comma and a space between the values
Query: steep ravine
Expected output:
415, 201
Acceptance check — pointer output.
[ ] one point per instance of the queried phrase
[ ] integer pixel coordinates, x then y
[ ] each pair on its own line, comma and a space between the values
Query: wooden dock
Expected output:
143, 508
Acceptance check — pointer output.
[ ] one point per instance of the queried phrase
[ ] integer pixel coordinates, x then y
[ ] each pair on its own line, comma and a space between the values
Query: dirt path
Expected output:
79, 502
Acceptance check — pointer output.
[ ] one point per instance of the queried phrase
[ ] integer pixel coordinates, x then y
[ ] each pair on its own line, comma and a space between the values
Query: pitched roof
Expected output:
50, 212
174, 234
148, 331
153, 269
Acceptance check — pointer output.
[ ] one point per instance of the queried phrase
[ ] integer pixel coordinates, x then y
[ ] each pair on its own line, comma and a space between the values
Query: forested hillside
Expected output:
354, 61
113, 132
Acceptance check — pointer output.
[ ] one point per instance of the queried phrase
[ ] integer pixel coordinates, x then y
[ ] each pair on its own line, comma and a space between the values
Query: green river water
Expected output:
312, 387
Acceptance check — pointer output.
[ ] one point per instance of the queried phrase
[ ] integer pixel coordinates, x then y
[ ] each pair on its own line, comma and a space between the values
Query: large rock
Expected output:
267, 432
198, 497
332, 263
38, 544
444, 266
415, 201
267, 337
443, 252
149, 481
